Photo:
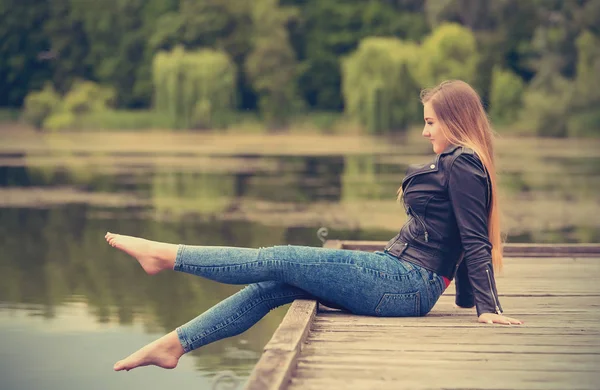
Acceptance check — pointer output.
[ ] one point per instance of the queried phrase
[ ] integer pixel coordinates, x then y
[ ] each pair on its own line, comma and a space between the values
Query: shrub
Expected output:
506, 96
40, 105
87, 96
584, 124
60, 121
545, 114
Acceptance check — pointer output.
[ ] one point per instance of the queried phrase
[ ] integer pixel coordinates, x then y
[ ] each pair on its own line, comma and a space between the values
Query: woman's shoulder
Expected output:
462, 160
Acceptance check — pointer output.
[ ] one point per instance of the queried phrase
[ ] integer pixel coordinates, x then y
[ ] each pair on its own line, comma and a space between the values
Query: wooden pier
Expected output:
554, 289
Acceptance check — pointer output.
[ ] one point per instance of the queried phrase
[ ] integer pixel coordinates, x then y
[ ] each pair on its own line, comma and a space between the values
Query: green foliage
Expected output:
546, 106
271, 65
22, 42
585, 117
9, 114
506, 96
40, 105
195, 89
87, 96
378, 87
84, 97
288, 54
332, 29
588, 71
46, 109
225, 25
450, 52
584, 124
62, 120
561, 107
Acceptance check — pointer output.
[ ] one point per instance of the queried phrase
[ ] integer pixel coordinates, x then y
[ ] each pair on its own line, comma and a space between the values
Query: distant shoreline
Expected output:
22, 139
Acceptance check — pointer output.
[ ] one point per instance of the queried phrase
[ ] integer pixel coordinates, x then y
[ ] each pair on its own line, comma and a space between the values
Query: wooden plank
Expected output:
416, 384
334, 244
435, 377
275, 366
510, 250
388, 345
458, 332
449, 325
445, 318
394, 358
439, 339
364, 363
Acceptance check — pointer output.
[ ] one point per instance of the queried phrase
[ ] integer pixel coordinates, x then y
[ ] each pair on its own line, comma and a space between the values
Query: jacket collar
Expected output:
430, 167
450, 149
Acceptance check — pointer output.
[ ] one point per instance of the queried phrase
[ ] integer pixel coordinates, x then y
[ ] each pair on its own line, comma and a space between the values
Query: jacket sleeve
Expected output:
464, 290
468, 192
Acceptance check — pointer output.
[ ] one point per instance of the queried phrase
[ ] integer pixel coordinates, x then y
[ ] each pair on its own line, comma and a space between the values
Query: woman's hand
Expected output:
492, 318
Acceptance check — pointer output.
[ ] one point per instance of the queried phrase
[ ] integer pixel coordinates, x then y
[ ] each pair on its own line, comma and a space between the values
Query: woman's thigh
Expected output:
362, 282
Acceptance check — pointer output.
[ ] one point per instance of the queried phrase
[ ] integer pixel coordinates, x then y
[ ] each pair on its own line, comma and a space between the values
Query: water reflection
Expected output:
55, 265
57, 273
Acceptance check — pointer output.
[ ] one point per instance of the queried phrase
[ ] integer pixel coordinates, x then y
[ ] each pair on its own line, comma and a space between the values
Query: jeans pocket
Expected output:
399, 305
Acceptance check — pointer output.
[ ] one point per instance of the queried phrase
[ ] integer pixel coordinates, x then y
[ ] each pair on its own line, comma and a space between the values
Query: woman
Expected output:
452, 232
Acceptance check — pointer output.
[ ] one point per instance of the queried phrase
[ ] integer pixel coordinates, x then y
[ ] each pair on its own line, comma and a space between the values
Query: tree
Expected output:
378, 84
329, 30
23, 45
588, 71
449, 52
196, 89
502, 30
584, 116
271, 65
224, 25
506, 96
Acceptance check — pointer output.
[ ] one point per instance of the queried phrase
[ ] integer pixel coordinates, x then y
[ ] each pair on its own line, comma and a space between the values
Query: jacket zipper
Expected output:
487, 271
421, 222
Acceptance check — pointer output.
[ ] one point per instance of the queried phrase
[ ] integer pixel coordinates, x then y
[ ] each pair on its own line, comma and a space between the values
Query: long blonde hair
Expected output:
464, 122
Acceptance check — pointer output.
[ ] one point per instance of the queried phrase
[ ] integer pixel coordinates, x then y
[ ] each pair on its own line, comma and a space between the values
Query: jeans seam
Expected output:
427, 285
178, 265
233, 319
183, 339
219, 268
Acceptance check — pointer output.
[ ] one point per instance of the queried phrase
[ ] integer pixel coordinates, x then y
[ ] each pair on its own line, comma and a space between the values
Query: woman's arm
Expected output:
464, 290
467, 189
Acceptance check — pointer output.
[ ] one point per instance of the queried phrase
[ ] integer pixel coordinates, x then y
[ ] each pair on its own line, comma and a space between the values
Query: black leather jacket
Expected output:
447, 202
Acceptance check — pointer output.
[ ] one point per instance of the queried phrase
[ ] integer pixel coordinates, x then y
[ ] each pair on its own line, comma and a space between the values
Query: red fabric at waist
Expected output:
446, 281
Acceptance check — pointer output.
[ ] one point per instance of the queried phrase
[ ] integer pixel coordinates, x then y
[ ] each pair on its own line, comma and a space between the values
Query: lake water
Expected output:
70, 305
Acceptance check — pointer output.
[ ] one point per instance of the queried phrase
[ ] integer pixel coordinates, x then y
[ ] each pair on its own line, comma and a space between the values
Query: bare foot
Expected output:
153, 256
164, 352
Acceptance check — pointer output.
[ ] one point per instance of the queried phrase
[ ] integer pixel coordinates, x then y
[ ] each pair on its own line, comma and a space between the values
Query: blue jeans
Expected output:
364, 283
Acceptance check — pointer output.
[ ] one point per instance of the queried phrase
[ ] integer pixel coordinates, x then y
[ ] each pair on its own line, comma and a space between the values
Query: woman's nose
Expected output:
425, 132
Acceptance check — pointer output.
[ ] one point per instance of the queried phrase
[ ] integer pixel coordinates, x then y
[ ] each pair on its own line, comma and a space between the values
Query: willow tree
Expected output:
195, 89
378, 86
449, 52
